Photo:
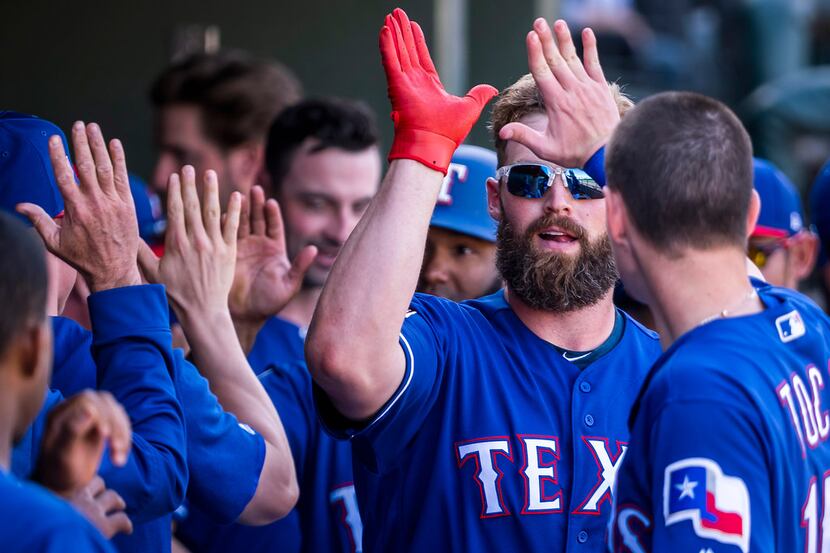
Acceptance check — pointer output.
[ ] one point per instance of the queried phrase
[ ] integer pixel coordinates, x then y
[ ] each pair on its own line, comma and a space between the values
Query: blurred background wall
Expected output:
95, 60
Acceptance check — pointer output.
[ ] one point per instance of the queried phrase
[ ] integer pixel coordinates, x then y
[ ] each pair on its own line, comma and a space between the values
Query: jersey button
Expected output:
582, 537
585, 386
589, 420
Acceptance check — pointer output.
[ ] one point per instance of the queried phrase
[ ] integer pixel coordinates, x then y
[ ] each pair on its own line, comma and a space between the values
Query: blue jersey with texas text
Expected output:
326, 517
729, 449
493, 441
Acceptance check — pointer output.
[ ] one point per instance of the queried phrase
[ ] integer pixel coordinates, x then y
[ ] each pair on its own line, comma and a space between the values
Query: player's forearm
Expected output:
370, 286
219, 357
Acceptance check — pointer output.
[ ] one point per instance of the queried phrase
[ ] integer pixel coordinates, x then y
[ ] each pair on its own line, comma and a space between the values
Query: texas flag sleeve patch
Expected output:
696, 489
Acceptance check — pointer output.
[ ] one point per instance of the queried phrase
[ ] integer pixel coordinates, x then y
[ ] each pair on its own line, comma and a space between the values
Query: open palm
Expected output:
265, 279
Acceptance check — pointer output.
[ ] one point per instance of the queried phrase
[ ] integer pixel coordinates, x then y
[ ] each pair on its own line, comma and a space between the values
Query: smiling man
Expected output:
473, 412
460, 255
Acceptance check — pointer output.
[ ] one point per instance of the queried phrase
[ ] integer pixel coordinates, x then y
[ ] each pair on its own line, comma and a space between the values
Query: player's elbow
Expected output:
277, 492
333, 359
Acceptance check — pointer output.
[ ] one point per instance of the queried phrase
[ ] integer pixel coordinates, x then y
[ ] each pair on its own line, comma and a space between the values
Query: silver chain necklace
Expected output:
725, 313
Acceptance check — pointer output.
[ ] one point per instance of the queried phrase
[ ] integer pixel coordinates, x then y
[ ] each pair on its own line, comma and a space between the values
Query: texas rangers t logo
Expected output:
718, 505
455, 173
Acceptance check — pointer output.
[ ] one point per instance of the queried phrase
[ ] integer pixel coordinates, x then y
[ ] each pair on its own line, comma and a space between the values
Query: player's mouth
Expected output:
326, 257
557, 239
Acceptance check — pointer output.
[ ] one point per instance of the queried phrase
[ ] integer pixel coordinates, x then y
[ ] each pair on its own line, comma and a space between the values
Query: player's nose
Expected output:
558, 199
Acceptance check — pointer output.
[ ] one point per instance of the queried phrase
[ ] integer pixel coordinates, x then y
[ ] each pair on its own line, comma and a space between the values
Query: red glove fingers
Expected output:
429, 123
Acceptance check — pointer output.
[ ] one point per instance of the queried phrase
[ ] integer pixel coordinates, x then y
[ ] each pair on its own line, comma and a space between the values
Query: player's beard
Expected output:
552, 281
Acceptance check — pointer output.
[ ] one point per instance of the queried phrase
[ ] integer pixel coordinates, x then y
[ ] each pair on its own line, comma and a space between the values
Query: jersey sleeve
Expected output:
289, 388
225, 457
425, 339
131, 347
709, 479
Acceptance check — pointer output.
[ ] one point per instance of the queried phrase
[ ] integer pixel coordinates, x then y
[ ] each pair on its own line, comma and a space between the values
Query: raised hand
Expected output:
98, 234
265, 279
199, 250
102, 507
76, 432
581, 111
429, 123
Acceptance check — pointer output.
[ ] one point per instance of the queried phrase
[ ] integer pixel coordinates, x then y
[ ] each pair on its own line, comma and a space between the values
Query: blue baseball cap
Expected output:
25, 169
462, 202
781, 214
151, 222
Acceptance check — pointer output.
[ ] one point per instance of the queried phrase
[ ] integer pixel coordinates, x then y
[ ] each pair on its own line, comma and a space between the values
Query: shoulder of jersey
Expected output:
640, 327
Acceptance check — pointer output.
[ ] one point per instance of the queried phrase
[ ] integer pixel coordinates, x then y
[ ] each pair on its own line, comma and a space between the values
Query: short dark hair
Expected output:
22, 278
238, 95
332, 122
682, 163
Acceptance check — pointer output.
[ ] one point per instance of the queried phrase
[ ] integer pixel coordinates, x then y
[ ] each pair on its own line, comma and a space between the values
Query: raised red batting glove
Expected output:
429, 123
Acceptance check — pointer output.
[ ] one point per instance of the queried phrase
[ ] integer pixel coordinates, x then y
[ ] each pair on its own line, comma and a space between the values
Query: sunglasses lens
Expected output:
582, 186
528, 181
757, 256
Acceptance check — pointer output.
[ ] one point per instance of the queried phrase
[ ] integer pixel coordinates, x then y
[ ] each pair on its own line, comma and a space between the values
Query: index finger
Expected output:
62, 168
548, 86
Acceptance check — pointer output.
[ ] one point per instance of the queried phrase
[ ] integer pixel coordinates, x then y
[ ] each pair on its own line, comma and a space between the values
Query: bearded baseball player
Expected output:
495, 424
729, 434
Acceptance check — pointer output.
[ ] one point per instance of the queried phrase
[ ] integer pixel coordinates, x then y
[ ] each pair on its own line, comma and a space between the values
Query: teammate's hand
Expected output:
429, 123
581, 110
98, 234
76, 432
265, 279
103, 508
199, 249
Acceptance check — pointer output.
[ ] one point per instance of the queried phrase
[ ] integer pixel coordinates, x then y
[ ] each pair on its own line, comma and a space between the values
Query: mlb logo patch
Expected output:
790, 326
696, 489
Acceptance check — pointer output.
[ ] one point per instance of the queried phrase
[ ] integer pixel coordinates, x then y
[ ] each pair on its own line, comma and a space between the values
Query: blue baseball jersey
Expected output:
35, 520
25, 451
729, 447
224, 458
326, 517
280, 342
493, 441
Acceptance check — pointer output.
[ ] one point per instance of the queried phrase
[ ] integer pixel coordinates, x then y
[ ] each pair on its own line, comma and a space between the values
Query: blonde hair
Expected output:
523, 98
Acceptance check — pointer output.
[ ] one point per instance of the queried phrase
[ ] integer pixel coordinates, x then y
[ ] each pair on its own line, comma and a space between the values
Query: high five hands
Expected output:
581, 110
429, 122
214, 263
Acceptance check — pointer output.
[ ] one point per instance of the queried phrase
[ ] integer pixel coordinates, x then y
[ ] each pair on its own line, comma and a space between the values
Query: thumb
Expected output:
482, 94
47, 228
524, 135
148, 262
301, 263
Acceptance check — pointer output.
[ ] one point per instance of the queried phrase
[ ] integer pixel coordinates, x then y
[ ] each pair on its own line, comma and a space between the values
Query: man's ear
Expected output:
31, 347
494, 198
753, 212
616, 217
803, 254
